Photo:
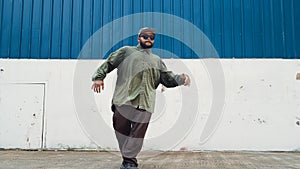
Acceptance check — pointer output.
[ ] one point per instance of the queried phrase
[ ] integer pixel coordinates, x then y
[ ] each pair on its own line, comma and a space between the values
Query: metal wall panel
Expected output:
58, 29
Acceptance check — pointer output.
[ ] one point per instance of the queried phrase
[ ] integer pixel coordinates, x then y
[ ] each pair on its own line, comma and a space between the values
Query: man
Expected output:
139, 73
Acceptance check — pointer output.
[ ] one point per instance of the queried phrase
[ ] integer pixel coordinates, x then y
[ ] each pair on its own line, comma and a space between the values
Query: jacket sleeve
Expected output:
110, 64
168, 78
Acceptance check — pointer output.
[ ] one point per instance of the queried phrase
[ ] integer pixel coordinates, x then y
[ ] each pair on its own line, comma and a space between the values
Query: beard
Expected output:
145, 46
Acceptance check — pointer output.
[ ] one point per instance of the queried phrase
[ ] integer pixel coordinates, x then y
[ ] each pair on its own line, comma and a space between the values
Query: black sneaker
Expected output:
123, 165
130, 166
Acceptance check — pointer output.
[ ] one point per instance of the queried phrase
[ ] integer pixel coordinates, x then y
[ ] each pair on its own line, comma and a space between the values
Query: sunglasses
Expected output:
152, 37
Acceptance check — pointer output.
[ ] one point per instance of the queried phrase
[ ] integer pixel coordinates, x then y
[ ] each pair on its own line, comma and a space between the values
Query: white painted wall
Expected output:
261, 106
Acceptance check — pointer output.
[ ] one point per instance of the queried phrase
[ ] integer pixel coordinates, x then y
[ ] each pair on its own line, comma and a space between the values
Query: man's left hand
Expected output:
187, 80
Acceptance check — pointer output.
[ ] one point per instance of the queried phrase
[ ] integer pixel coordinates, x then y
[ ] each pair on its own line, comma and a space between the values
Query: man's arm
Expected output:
109, 65
169, 79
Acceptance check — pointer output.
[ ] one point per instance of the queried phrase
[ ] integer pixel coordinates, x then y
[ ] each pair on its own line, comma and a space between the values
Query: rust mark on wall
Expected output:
298, 76
183, 149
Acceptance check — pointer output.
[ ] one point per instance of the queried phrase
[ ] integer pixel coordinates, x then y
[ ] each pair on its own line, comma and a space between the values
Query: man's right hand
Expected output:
97, 86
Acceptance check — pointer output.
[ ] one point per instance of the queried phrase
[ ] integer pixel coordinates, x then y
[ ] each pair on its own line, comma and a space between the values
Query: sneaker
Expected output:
131, 166
123, 166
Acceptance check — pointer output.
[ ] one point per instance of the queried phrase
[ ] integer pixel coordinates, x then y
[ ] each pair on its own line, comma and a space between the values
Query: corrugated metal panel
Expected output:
58, 29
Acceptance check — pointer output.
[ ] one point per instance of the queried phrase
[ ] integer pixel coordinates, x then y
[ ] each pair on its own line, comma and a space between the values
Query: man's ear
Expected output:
138, 39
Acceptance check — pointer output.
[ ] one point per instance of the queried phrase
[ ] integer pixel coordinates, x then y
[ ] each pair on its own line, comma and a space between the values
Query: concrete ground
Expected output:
12, 159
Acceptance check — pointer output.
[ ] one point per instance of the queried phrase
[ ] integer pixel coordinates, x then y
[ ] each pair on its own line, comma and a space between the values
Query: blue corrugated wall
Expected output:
58, 29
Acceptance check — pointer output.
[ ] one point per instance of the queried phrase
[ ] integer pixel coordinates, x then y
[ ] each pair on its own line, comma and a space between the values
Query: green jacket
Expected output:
139, 73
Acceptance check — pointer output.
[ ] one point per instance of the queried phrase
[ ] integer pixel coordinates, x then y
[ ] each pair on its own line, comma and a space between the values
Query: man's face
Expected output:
146, 40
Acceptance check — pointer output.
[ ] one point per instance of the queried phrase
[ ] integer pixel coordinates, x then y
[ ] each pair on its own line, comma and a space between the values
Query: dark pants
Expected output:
130, 126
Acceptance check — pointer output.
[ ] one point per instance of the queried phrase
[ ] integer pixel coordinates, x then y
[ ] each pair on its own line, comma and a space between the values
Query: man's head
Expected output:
146, 37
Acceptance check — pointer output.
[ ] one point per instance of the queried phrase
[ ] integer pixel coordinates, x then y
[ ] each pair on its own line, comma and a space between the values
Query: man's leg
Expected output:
130, 126
134, 142
122, 127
